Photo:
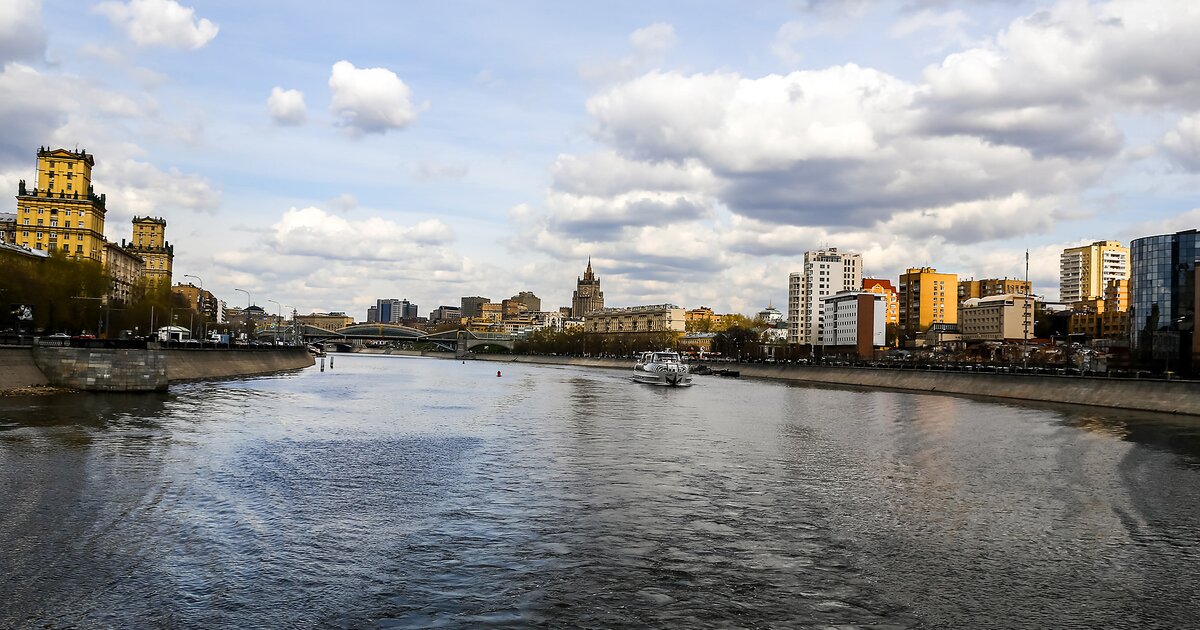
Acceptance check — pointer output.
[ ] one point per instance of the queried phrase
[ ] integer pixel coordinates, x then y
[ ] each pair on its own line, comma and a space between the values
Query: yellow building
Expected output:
325, 321
882, 286
968, 289
491, 312
62, 213
1085, 271
198, 299
926, 298
1116, 296
150, 242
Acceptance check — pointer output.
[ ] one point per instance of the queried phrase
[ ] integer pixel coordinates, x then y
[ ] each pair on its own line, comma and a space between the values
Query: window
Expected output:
26, 221
81, 224
25, 234
39, 221
41, 210
53, 222
39, 235
70, 166
67, 212
68, 187
79, 248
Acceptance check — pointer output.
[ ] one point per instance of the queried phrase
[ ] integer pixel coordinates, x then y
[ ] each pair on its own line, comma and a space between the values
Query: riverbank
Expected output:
24, 369
1178, 397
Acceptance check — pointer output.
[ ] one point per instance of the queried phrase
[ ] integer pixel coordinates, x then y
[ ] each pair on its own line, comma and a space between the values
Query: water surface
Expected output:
412, 493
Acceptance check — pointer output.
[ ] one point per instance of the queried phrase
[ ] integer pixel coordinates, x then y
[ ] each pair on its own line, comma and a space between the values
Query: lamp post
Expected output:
200, 303
292, 326
246, 313
278, 318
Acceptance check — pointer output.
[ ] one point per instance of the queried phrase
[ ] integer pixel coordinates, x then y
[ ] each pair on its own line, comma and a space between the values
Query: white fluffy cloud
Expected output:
1182, 144
287, 107
653, 39
370, 100
163, 23
22, 35
314, 232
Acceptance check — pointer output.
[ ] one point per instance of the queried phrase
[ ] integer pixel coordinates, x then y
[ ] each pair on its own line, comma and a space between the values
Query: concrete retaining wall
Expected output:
17, 370
103, 370
1145, 395
189, 365
100, 369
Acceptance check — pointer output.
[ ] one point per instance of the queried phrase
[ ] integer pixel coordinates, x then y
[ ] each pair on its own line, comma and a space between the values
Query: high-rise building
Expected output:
884, 287
62, 213
125, 269
1163, 297
968, 289
372, 314
926, 298
532, 302
150, 242
391, 311
1085, 271
825, 273
587, 297
471, 306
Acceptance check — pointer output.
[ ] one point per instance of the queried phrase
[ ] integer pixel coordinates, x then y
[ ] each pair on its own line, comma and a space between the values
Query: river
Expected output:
403, 492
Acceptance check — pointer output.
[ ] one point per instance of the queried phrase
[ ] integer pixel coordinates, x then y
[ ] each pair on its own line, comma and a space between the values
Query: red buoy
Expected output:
497, 373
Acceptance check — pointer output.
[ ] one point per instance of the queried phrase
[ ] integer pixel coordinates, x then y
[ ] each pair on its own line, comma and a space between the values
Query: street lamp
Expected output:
292, 326
278, 318
247, 311
200, 303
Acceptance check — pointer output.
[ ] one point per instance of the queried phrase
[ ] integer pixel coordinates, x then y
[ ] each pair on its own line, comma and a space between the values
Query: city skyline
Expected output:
693, 156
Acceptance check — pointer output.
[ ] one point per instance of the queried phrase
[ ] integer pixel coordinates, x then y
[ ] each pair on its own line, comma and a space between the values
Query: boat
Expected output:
662, 368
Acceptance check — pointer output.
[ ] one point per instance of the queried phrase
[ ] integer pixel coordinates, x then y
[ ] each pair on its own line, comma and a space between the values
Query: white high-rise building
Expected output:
1085, 271
826, 272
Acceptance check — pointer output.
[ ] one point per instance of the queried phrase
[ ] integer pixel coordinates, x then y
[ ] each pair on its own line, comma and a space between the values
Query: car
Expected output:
59, 336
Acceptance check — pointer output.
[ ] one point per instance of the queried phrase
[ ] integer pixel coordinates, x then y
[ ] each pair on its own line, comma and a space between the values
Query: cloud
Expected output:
163, 23
1182, 144
786, 40
287, 107
314, 232
427, 171
939, 30
344, 202
652, 40
370, 100
22, 35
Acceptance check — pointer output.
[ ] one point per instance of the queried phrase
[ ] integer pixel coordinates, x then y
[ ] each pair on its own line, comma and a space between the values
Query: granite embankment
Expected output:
1182, 397
153, 369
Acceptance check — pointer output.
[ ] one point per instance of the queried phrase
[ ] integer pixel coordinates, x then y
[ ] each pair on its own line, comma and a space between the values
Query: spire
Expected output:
588, 276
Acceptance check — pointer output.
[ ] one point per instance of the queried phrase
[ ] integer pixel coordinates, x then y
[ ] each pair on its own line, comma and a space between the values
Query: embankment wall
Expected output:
190, 365
17, 369
1181, 397
103, 369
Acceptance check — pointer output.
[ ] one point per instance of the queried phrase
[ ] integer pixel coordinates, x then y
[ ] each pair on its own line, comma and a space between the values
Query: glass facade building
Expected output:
1163, 296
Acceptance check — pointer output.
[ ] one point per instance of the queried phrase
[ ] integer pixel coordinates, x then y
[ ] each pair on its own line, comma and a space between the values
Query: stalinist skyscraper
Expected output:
588, 297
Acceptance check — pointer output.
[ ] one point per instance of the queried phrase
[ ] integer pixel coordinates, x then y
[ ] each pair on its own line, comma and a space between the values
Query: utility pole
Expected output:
1028, 300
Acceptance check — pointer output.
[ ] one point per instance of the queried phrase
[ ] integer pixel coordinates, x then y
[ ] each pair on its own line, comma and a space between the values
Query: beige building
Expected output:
968, 289
125, 269
996, 318
636, 319
325, 321
1085, 271
150, 242
491, 312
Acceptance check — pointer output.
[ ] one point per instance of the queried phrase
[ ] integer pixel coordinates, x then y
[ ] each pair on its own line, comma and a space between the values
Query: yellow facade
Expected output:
968, 289
891, 302
926, 298
636, 319
1085, 271
62, 214
150, 242
1116, 296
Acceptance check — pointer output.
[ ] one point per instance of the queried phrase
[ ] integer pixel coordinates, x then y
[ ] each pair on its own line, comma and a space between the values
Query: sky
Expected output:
323, 158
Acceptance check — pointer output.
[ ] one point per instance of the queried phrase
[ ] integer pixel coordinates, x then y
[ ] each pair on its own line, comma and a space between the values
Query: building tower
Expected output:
1084, 271
1162, 300
825, 273
587, 297
926, 298
62, 213
150, 242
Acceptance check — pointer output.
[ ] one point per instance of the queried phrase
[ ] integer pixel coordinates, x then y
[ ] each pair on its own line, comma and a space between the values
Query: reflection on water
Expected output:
421, 493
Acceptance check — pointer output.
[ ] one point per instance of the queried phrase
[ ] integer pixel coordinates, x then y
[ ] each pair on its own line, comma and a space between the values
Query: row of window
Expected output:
65, 211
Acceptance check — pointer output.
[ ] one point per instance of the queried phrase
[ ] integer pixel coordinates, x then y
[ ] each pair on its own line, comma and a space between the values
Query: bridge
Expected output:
357, 335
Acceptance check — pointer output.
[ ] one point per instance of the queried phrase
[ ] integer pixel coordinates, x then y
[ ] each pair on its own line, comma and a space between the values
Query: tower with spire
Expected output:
587, 297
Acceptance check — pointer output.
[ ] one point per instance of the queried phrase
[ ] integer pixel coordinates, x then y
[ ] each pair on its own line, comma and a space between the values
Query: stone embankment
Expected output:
1180, 397
103, 369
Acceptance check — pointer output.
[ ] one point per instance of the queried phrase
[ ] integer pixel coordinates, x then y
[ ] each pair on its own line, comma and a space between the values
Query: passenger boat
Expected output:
662, 368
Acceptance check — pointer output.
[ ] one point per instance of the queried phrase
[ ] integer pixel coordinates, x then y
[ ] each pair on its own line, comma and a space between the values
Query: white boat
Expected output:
662, 368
